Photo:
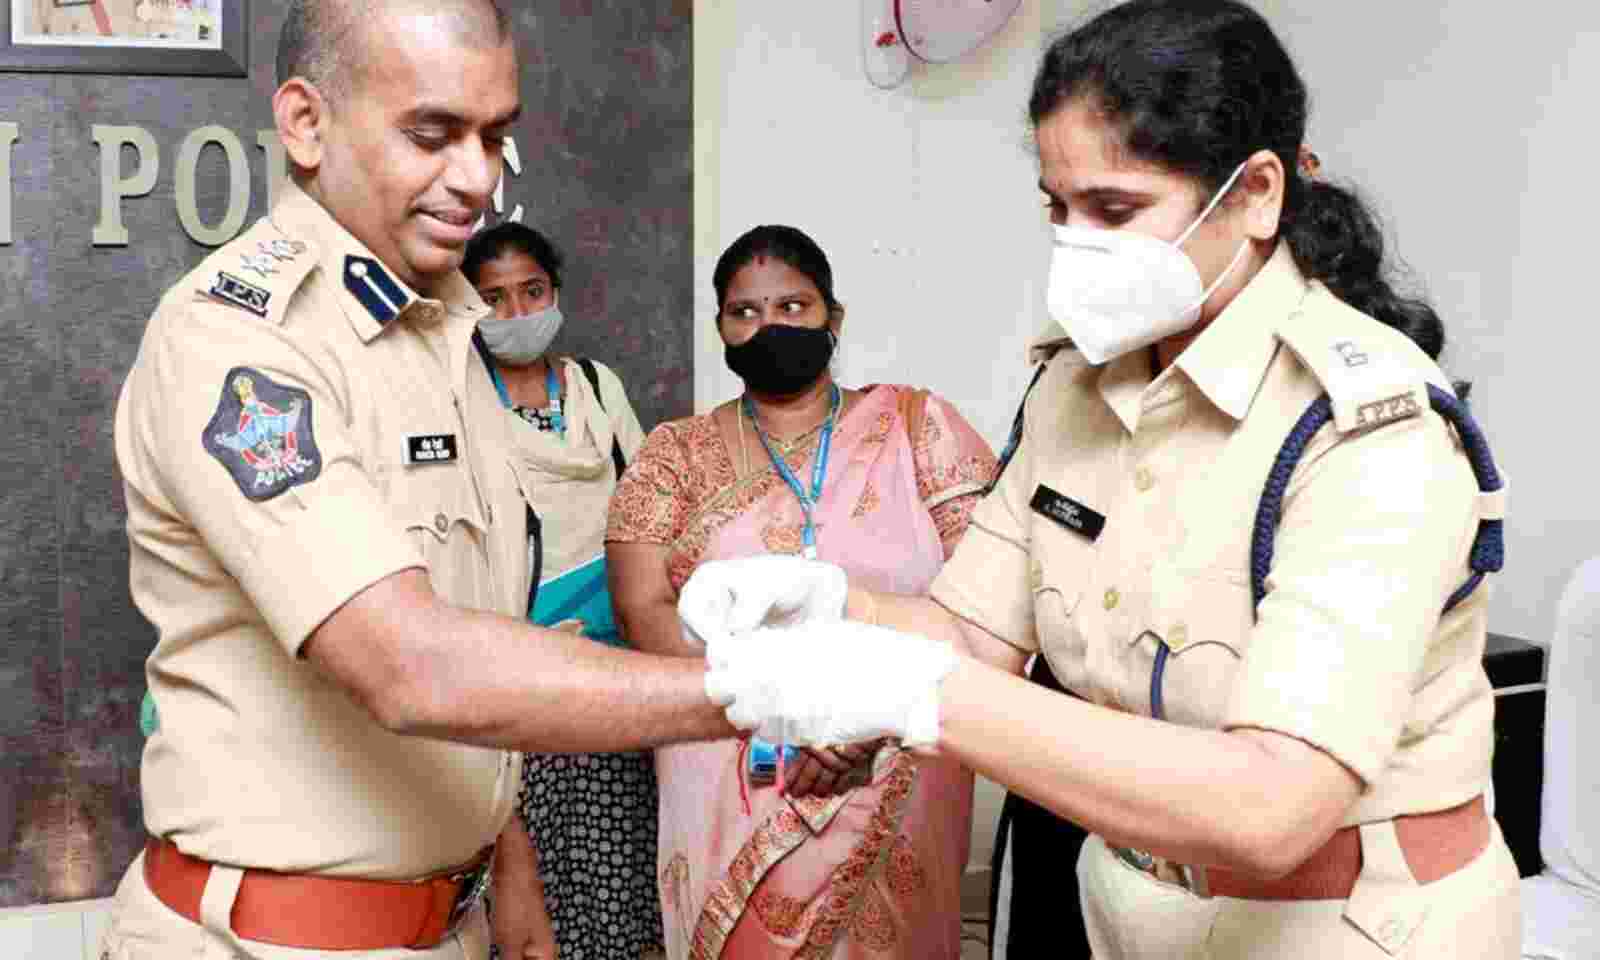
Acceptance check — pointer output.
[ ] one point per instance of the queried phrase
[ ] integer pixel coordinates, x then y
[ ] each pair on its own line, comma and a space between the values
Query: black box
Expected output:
1516, 671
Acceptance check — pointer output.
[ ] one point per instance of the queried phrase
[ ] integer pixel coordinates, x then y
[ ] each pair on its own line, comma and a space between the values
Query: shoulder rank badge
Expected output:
241, 293
261, 433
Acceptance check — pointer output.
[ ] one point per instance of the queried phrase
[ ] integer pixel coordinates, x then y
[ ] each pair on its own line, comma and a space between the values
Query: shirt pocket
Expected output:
1061, 566
1182, 659
439, 509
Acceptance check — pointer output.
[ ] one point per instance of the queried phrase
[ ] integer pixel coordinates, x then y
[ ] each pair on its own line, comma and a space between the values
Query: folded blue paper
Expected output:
579, 594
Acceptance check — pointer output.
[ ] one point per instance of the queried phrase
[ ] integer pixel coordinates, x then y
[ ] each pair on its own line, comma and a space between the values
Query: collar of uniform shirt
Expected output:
297, 215
1228, 360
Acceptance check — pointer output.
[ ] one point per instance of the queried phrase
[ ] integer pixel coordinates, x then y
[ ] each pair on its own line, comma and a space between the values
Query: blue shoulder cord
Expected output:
1488, 545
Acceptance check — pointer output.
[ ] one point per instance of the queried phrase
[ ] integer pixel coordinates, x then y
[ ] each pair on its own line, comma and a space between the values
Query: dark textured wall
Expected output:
606, 151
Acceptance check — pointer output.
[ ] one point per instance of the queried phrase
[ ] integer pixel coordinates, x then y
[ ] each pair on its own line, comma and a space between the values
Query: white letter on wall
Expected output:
277, 162
110, 232
8, 136
238, 185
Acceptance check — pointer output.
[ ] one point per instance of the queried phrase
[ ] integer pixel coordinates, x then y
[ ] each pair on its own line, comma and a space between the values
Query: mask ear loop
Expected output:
1243, 245
1215, 199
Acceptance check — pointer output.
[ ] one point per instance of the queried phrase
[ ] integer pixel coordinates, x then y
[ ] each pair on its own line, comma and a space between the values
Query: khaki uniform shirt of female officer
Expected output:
1316, 788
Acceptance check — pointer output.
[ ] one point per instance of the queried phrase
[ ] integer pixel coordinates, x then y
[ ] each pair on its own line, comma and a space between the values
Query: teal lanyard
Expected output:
552, 386
819, 469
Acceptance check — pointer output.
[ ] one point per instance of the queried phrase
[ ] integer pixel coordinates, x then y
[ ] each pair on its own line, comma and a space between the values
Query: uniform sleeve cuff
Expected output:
986, 584
1364, 757
310, 567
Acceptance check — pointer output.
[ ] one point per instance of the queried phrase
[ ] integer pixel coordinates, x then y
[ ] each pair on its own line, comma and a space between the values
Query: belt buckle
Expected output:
474, 884
1137, 859
1162, 870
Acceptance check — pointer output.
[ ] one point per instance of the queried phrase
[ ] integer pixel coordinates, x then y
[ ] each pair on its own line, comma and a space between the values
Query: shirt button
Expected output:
1178, 636
1112, 598
1143, 479
1036, 575
441, 523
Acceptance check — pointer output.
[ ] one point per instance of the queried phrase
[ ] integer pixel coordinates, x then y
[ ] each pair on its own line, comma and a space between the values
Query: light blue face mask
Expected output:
519, 341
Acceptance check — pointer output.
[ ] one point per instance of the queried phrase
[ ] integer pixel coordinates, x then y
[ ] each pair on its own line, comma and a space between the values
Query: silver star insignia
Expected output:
282, 250
260, 263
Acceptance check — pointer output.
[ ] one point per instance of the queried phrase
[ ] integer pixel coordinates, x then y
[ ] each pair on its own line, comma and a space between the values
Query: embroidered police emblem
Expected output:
261, 433
241, 293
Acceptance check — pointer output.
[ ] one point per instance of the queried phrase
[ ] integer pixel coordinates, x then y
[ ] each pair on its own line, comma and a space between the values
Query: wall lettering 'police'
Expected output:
1067, 512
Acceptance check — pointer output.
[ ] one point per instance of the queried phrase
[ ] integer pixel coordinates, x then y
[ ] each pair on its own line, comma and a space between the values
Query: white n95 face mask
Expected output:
1115, 291
519, 341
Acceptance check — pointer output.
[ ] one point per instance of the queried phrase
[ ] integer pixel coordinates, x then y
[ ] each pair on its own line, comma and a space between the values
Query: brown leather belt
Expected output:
1435, 844
324, 913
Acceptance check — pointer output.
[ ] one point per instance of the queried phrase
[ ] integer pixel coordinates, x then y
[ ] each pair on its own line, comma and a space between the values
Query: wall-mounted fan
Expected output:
895, 33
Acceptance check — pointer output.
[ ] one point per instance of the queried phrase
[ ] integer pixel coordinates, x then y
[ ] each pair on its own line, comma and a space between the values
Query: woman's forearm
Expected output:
922, 615
655, 628
1251, 801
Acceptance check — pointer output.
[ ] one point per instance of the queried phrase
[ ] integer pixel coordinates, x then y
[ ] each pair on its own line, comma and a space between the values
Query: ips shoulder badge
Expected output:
241, 293
262, 434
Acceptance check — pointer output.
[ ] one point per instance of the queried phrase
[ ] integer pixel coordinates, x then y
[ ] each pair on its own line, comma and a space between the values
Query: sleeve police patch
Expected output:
262, 434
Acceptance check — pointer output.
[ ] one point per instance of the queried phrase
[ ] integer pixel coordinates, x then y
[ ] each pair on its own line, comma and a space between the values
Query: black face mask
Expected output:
781, 360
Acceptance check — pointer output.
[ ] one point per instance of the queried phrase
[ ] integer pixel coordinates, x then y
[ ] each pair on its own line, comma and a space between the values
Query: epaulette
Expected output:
1043, 348
1364, 375
257, 272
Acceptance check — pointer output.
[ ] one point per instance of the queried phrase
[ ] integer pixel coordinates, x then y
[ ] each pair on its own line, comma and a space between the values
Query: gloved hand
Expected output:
725, 598
826, 682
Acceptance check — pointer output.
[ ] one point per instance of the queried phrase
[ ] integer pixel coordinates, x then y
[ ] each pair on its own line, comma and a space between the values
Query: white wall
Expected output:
1470, 130
66, 931
1472, 127
923, 196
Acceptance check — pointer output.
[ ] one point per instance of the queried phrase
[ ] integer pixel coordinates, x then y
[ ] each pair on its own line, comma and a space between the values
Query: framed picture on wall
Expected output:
152, 37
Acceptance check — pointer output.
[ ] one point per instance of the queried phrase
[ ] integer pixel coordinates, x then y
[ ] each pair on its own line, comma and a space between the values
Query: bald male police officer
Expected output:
329, 534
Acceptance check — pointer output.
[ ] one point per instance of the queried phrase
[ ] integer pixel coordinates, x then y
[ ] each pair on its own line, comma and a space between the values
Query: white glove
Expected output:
724, 598
827, 682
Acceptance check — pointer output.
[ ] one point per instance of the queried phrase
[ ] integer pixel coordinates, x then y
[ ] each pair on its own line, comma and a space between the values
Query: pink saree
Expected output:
876, 871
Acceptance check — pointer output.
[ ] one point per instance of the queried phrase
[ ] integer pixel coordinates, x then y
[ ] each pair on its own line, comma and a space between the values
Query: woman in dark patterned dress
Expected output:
592, 817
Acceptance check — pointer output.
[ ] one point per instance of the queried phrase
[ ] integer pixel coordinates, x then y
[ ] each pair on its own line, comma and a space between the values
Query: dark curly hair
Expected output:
1197, 86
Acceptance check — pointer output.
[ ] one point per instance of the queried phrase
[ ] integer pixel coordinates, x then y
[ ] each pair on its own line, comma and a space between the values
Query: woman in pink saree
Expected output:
860, 852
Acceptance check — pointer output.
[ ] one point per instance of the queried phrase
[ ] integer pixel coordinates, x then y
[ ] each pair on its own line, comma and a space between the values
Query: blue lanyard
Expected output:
819, 468
552, 387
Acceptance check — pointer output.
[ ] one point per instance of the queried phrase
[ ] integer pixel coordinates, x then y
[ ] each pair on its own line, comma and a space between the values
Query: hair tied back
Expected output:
1310, 164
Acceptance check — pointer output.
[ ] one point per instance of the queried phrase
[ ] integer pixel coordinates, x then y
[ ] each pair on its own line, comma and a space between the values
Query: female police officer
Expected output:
1288, 727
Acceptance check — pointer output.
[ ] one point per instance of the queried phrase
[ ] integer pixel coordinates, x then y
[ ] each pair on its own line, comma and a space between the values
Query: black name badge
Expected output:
1067, 512
430, 448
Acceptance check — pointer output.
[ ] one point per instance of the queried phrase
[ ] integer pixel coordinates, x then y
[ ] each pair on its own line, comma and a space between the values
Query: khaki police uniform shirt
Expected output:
1348, 651
299, 425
